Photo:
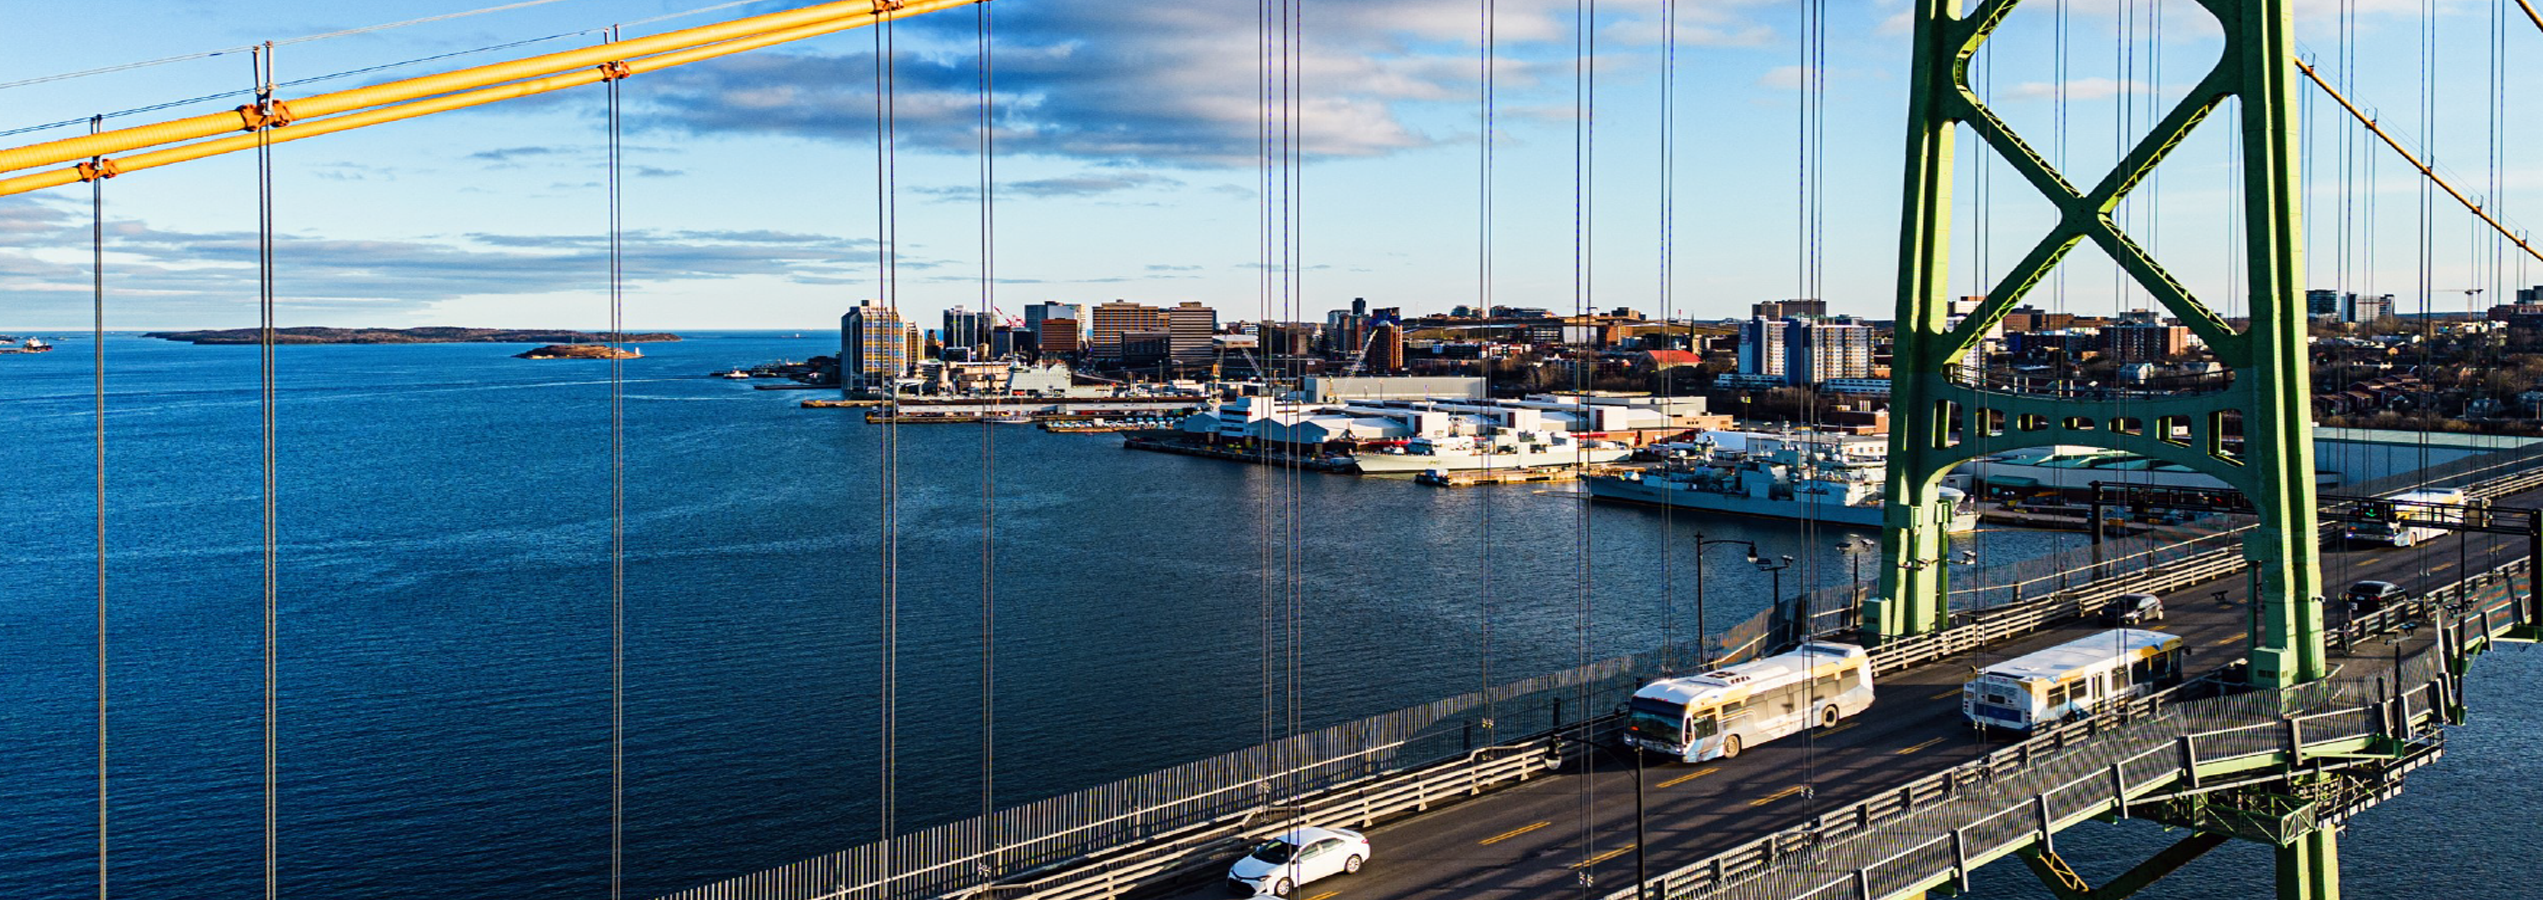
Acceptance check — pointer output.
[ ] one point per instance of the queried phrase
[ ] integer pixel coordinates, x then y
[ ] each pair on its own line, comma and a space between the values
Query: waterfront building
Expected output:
1189, 326
874, 349
1109, 321
1146, 348
1335, 389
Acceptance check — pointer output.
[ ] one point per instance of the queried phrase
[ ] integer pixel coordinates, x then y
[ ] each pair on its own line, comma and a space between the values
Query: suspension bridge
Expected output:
2301, 716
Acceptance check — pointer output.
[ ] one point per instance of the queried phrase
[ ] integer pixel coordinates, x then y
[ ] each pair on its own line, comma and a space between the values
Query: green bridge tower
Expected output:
1941, 415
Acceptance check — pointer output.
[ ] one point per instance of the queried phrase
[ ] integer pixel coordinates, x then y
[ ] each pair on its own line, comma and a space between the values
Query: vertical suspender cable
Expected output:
1584, 109
988, 443
888, 466
1668, 305
97, 375
617, 502
1488, 45
263, 61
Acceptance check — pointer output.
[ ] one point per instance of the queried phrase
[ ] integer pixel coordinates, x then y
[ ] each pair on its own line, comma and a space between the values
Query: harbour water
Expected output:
444, 624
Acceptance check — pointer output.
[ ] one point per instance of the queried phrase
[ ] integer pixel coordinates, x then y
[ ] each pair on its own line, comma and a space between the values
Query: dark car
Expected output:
2369, 596
2135, 609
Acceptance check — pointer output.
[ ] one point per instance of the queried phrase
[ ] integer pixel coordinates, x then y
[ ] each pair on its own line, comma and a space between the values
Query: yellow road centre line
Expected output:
1839, 728
2235, 639
1690, 776
1603, 857
1515, 832
1907, 750
1954, 692
1328, 895
1778, 795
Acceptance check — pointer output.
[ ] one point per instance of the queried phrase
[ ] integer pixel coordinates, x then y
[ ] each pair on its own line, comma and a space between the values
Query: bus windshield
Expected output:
1657, 720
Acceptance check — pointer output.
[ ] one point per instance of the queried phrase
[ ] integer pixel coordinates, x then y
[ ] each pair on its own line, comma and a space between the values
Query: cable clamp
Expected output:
613, 70
102, 168
264, 114
885, 6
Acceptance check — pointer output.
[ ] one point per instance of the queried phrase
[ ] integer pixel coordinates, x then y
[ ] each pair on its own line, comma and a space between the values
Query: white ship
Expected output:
1788, 477
1502, 449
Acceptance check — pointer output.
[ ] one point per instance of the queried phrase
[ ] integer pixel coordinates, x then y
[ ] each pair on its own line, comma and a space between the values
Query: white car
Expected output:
1296, 857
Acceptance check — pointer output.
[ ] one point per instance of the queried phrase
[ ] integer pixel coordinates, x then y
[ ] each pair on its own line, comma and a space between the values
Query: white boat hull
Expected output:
1617, 487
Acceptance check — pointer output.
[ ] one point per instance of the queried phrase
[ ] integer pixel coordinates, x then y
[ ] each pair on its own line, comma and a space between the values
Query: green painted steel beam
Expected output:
1939, 421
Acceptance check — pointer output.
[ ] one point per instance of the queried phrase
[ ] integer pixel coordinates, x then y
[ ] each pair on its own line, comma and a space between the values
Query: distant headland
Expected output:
579, 351
433, 335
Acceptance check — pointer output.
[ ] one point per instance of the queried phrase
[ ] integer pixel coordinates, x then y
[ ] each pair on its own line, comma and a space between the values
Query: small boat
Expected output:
1013, 419
735, 374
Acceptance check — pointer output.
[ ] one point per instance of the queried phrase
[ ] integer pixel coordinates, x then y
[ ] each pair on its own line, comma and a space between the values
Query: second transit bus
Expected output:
2072, 679
1716, 714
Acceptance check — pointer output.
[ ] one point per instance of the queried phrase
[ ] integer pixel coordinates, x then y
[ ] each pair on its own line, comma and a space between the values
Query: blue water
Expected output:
444, 633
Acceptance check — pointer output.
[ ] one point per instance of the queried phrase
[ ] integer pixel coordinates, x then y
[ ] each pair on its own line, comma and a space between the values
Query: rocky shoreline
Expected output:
580, 351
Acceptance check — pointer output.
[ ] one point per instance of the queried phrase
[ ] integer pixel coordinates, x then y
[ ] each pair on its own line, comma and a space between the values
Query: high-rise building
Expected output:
2363, 308
1038, 313
1109, 321
1761, 346
1783, 309
873, 347
1802, 350
1386, 348
2530, 296
2323, 303
1057, 337
1821, 349
1191, 325
2146, 342
964, 328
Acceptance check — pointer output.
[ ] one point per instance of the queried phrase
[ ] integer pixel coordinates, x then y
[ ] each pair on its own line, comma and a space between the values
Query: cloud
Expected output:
1162, 267
1783, 78
165, 274
1086, 185
1174, 84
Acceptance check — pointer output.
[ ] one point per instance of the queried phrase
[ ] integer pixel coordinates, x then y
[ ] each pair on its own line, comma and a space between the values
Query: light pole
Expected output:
1642, 881
1855, 547
1701, 635
1775, 595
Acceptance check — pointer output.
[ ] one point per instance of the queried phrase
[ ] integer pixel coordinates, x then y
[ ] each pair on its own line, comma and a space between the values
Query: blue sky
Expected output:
1126, 162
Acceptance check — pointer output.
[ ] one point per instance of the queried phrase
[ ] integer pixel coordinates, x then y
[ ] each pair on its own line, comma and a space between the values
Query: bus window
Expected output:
1703, 727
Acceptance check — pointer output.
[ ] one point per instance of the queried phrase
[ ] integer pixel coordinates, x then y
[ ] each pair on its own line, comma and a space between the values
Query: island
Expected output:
429, 335
579, 351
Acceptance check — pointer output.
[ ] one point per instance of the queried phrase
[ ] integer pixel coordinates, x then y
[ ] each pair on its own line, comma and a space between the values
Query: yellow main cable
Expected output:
2424, 170
639, 54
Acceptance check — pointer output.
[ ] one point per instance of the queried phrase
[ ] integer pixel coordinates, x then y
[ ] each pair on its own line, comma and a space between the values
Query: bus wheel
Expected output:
1828, 716
1730, 747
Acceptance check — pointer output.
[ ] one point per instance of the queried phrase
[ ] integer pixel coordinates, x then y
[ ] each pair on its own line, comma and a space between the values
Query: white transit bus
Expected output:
2404, 527
2072, 679
1716, 714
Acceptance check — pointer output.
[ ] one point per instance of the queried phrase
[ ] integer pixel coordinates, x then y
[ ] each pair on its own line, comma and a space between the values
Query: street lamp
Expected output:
1775, 595
1855, 547
1701, 635
1642, 881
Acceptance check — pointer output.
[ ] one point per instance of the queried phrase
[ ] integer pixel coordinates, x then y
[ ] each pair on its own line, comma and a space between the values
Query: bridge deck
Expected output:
1530, 839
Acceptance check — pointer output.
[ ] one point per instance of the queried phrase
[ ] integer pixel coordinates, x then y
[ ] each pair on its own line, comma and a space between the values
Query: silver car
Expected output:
2135, 609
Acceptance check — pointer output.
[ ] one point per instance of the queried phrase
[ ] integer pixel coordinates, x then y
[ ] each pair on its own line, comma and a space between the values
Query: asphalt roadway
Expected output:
1550, 832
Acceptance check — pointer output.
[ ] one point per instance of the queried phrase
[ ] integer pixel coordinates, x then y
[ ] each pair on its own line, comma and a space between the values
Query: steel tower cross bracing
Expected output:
1942, 416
